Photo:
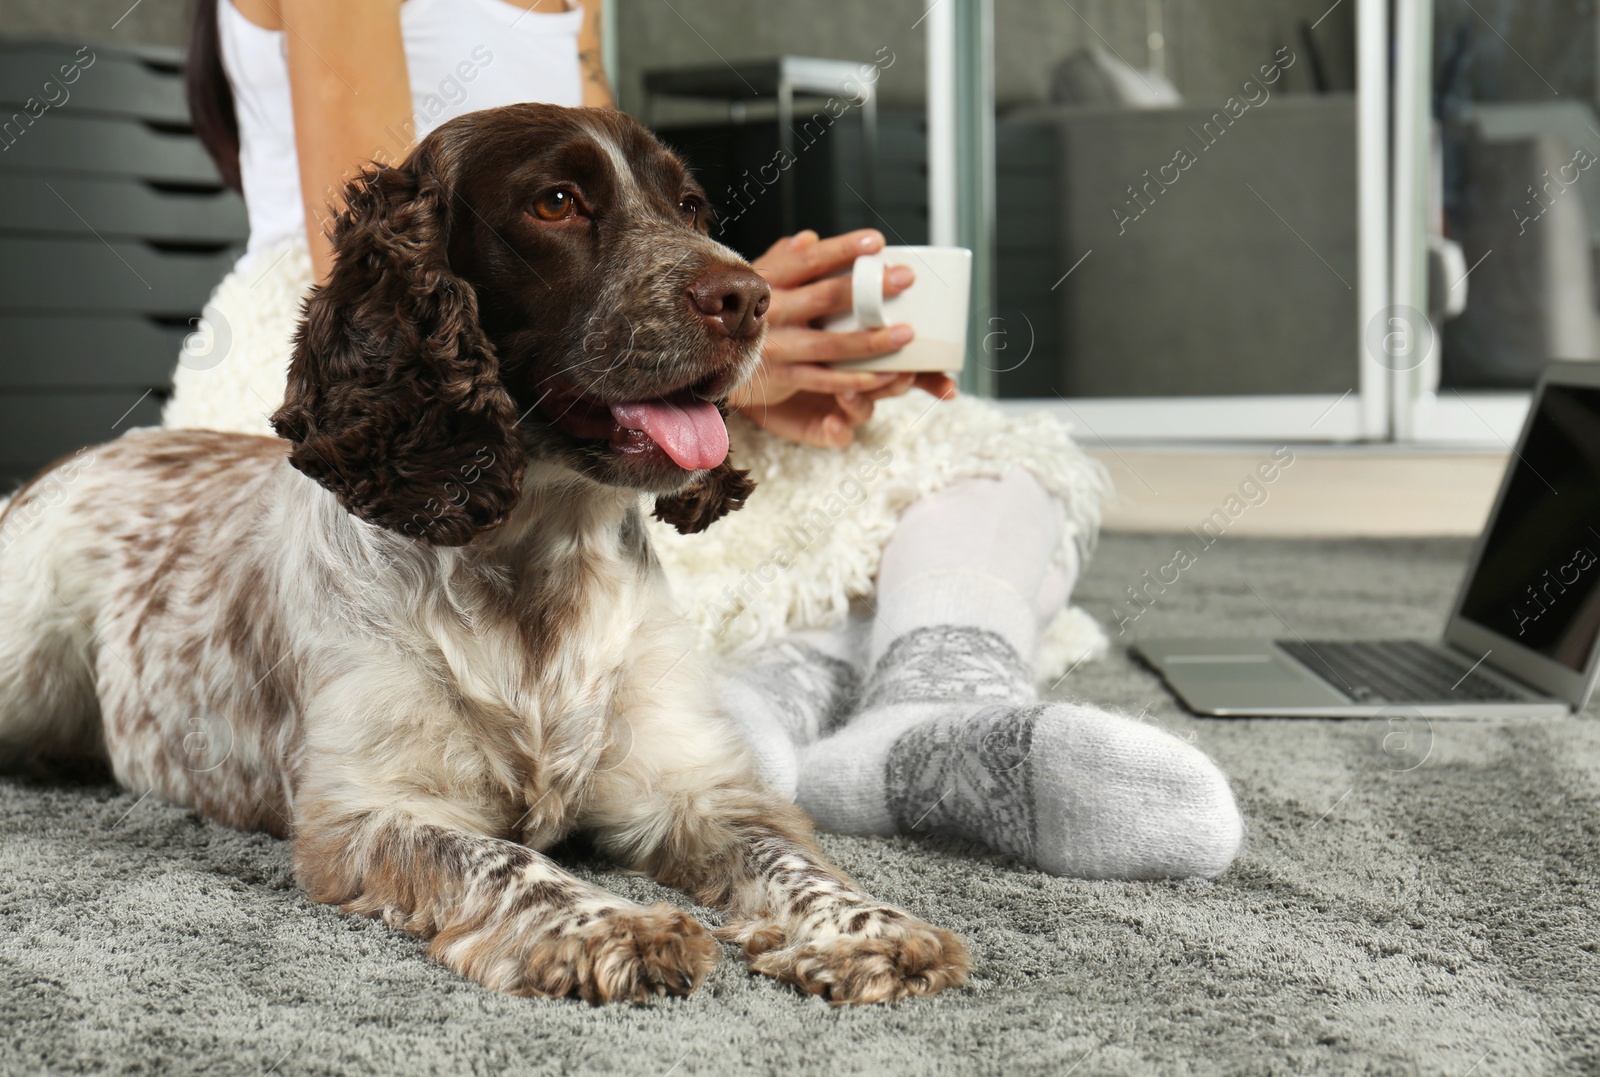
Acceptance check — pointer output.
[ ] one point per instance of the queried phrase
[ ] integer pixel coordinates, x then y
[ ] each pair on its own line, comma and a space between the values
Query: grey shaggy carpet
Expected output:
1385, 918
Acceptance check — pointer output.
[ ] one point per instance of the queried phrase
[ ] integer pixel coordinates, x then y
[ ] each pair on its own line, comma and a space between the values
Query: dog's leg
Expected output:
686, 807
800, 919
497, 911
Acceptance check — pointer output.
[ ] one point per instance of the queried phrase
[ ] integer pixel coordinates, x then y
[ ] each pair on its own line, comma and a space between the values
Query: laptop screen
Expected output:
1538, 581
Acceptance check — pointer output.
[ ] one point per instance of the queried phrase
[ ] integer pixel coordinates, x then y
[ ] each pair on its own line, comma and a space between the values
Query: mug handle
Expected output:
866, 291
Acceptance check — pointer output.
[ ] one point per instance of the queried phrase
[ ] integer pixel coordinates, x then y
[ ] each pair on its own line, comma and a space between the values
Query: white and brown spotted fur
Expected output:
425, 691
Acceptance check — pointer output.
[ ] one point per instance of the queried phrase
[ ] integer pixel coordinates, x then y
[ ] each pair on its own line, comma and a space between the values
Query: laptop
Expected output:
1522, 640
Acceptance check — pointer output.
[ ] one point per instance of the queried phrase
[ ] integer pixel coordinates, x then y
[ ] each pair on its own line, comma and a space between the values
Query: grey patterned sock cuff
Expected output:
811, 693
948, 663
969, 775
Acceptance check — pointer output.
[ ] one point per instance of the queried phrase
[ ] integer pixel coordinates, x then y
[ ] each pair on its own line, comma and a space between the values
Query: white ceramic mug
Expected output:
935, 306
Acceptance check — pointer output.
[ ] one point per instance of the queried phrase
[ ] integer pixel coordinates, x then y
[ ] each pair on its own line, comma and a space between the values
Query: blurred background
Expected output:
1363, 222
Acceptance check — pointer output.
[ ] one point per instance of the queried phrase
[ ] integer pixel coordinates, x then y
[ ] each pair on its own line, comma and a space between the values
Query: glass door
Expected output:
1497, 207
1178, 210
1185, 215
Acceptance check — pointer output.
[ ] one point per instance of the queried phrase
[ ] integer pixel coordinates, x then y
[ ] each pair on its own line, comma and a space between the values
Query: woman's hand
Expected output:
795, 393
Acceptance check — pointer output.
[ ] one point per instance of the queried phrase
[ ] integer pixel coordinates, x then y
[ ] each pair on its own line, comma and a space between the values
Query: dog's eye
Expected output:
556, 205
690, 209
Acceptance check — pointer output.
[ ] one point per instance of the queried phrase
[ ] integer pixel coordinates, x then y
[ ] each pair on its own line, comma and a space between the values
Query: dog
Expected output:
422, 634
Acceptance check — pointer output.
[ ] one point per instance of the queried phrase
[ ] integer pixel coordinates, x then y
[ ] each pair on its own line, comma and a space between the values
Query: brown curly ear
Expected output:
718, 492
394, 400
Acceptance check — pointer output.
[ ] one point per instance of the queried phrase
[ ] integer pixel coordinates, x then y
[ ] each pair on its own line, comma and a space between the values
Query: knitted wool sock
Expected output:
790, 693
971, 551
948, 740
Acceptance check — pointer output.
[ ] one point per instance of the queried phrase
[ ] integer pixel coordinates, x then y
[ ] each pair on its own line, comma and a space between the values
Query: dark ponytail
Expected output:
210, 96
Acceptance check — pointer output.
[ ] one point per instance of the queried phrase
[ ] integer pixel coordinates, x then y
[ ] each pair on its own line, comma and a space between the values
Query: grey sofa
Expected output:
1535, 294
1236, 278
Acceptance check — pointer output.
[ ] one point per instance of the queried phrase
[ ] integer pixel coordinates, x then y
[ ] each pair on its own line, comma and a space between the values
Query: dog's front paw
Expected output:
635, 954
884, 955
627, 954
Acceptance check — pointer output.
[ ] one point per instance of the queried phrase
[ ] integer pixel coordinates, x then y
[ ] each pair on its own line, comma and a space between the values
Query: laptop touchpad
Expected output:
1246, 680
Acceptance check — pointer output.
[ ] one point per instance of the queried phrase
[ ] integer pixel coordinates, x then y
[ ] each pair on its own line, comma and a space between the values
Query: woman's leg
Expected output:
949, 736
974, 554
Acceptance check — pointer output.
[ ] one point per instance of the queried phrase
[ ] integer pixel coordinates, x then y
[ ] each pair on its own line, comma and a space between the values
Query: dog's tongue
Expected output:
691, 432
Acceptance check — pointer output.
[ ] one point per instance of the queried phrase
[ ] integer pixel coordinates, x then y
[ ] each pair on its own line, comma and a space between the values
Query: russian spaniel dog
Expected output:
423, 635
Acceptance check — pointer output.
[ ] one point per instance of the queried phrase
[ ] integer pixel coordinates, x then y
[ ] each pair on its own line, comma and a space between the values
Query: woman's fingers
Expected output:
803, 305
795, 345
831, 295
809, 419
897, 279
812, 378
939, 385
855, 407
802, 259
799, 239
778, 382
898, 385
942, 386
825, 419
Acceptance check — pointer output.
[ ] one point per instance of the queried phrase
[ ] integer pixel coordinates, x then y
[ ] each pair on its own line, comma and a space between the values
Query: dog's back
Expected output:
90, 527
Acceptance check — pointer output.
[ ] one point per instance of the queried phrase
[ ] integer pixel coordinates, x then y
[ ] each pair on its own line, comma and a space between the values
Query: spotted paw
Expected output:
628, 954
886, 956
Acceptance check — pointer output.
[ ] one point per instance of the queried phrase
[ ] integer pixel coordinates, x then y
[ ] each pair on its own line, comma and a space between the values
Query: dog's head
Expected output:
531, 282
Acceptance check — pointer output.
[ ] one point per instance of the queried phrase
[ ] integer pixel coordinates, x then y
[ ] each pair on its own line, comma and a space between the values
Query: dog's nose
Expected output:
736, 299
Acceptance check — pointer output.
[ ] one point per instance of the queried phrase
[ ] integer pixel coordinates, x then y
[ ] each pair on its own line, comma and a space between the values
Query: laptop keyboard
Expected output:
1397, 671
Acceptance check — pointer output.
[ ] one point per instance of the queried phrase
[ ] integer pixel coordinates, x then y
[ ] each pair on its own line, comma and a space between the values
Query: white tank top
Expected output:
462, 56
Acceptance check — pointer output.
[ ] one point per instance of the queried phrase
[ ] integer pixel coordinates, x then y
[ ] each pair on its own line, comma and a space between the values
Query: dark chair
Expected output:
114, 228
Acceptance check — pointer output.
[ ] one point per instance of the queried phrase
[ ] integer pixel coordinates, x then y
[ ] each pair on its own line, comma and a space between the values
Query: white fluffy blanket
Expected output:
810, 538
